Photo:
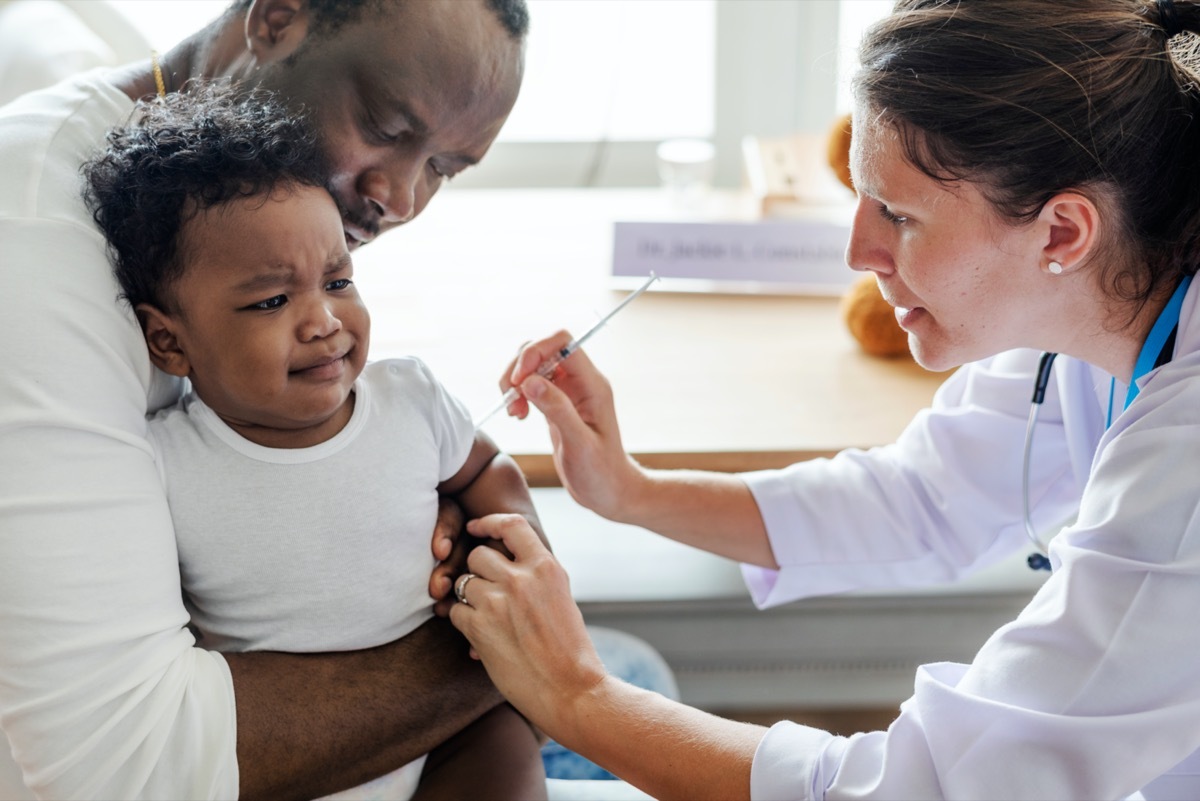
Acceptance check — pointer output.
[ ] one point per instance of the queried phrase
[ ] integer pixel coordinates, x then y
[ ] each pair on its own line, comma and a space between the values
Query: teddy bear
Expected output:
871, 321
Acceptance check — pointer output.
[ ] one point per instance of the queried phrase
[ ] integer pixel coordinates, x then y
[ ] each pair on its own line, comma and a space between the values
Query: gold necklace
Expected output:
158, 74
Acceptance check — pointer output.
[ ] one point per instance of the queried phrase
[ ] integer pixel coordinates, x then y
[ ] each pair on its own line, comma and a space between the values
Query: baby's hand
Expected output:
450, 548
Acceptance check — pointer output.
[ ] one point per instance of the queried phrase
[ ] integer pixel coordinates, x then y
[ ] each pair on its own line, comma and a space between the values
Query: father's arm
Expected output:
309, 725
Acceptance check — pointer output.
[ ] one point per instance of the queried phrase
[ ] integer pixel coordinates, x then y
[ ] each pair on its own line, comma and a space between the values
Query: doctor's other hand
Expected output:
523, 624
579, 410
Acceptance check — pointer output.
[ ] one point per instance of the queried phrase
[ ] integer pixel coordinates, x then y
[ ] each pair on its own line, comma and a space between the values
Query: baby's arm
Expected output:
490, 481
498, 754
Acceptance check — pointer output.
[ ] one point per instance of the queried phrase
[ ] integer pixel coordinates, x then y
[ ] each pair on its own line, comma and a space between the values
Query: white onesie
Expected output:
314, 549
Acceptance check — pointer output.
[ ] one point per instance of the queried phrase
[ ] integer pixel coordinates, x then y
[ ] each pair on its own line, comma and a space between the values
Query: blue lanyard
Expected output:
1156, 350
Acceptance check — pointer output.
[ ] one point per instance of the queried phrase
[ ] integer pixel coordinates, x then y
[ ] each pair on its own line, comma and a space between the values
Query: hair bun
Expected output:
1168, 18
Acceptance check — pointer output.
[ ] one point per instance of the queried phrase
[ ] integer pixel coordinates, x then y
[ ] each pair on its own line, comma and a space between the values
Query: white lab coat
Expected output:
1093, 692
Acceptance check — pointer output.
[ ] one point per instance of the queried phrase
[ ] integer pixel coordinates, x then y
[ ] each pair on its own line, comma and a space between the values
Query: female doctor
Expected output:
1028, 174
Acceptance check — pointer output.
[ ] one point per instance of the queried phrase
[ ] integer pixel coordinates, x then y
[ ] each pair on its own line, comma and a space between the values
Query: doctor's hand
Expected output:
578, 406
523, 624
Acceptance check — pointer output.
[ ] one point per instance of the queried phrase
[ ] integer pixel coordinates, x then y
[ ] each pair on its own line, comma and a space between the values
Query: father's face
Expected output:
403, 99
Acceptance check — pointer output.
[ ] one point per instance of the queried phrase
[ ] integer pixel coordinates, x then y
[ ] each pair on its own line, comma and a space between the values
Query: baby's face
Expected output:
273, 327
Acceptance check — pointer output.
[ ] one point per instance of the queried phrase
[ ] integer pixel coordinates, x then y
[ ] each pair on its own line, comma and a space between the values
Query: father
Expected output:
103, 693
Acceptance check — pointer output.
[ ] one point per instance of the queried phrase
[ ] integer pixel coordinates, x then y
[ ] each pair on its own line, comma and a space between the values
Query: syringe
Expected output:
546, 368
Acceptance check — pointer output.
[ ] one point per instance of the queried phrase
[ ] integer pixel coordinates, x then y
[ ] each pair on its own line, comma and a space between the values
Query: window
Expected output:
655, 69
606, 80
599, 69
752, 66
855, 16
163, 26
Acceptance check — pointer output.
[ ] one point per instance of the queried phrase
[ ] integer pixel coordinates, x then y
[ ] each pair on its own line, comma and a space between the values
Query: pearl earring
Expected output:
1055, 268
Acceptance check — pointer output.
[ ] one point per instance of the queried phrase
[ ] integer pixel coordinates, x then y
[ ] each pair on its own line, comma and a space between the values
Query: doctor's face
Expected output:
957, 274
404, 96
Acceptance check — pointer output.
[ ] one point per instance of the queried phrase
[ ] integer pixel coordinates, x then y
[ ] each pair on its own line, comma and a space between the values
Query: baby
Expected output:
303, 479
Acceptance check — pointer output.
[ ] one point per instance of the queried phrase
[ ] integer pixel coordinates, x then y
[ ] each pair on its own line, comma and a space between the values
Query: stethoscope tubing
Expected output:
1038, 560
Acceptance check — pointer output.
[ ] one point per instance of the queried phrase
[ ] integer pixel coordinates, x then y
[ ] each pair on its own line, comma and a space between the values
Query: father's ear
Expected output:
275, 28
166, 352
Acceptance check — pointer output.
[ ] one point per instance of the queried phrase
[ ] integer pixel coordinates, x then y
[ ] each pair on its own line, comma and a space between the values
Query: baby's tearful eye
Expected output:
269, 303
340, 283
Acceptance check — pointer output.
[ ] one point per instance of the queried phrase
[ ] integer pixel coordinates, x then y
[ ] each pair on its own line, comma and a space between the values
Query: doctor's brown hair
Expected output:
1032, 97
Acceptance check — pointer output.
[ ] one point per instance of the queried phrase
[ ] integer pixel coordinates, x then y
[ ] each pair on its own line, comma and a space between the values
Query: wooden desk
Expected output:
723, 382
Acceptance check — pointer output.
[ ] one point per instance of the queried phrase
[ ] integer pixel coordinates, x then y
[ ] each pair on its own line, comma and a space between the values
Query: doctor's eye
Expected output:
894, 219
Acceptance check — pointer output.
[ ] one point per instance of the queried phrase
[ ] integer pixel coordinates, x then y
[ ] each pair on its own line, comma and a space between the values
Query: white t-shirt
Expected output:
43, 42
102, 692
315, 549
1093, 692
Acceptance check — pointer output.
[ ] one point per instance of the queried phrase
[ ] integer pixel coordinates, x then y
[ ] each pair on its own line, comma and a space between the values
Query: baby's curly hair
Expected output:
189, 152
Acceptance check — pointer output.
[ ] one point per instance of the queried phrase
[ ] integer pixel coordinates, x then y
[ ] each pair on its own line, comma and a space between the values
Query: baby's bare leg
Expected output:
496, 758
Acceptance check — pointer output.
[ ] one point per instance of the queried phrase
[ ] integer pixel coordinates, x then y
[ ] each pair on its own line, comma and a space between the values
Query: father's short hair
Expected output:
329, 15
190, 152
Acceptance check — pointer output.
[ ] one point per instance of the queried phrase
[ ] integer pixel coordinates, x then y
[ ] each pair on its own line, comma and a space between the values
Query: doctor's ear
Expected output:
275, 28
1073, 223
166, 351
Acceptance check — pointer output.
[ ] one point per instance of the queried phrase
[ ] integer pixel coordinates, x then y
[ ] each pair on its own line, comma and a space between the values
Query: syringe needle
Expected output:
508, 398
574, 345
546, 368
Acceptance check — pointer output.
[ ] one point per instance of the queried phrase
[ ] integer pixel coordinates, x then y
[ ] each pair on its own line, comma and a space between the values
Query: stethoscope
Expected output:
1156, 351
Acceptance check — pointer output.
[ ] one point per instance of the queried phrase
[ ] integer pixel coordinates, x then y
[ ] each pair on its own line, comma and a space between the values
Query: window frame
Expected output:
776, 74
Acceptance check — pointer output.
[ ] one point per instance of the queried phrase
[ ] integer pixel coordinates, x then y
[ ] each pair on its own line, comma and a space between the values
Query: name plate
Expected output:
771, 256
